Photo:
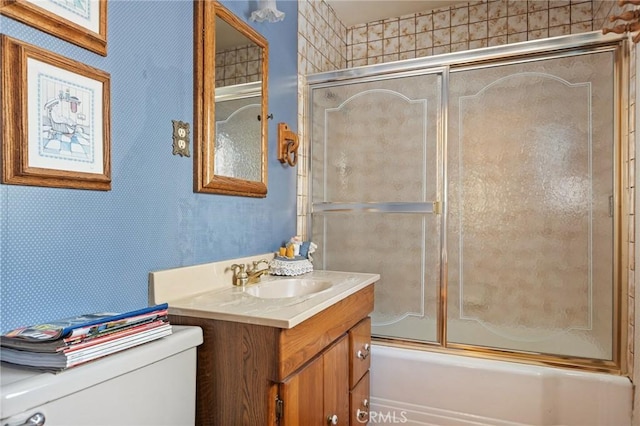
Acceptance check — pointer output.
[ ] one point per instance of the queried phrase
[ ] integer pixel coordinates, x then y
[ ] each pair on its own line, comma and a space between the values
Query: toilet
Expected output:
151, 384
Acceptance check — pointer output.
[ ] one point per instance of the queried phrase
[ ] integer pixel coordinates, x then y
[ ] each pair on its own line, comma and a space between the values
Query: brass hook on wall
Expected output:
287, 145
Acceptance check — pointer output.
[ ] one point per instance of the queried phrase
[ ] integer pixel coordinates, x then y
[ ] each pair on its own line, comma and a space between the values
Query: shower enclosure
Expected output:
486, 188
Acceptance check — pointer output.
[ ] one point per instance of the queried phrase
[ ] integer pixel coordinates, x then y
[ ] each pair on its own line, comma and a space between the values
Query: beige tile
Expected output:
538, 20
421, 53
424, 40
517, 37
581, 27
560, 30
390, 46
359, 51
460, 47
497, 9
478, 44
460, 34
497, 41
391, 28
424, 23
409, 54
536, 5
581, 12
441, 19
538, 34
497, 27
478, 12
407, 26
478, 30
459, 16
391, 57
374, 48
441, 37
359, 34
439, 50
559, 16
374, 32
408, 43
516, 7
516, 24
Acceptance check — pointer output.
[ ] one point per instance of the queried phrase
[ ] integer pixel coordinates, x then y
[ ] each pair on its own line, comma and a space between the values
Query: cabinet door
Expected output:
336, 382
319, 392
302, 396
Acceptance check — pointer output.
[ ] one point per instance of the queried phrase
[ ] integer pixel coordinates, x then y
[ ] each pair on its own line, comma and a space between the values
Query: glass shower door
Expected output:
531, 194
375, 166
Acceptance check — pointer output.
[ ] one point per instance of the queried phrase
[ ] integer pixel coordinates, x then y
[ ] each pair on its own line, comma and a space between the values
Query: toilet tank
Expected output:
152, 384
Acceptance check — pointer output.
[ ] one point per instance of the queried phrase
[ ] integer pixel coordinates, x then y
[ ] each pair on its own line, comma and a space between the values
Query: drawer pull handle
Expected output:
363, 354
332, 420
36, 420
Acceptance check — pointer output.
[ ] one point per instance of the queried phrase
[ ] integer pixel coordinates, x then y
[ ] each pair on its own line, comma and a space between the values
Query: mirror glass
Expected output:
230, 129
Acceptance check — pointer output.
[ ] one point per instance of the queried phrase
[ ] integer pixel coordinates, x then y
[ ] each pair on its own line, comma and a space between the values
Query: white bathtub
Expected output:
424, 388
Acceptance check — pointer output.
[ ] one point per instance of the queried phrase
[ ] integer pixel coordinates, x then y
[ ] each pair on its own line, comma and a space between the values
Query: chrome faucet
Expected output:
242, 276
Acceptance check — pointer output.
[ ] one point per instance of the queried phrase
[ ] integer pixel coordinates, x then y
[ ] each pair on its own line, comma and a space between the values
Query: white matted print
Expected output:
82, 22
65, 119
85, 13
56, 120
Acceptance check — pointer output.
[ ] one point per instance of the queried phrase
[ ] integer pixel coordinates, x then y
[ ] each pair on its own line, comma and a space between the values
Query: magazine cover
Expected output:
84, 325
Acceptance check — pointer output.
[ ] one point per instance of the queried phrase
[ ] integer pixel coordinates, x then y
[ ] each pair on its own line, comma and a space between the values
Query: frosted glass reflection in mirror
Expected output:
238, 148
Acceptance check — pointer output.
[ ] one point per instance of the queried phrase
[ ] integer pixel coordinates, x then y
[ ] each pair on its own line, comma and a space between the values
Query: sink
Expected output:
290, 287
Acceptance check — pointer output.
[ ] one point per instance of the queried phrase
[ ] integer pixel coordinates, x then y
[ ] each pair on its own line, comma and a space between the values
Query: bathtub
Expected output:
422, 388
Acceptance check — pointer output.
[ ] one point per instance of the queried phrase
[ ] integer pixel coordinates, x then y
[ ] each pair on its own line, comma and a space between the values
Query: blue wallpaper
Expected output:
65, 252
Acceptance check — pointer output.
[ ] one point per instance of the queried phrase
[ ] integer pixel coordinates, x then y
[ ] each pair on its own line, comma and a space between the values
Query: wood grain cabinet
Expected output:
315, 373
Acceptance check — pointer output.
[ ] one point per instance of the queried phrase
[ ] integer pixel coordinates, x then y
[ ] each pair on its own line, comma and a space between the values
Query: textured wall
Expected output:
65, 252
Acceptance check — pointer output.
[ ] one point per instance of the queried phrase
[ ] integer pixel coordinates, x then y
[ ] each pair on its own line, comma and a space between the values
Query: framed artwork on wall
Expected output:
55, 120
81, 22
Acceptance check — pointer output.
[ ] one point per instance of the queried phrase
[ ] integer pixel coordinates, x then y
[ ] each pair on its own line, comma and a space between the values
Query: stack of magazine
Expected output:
65, 343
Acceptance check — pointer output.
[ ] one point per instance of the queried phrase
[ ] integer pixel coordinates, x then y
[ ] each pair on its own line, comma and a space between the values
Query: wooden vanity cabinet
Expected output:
251, 374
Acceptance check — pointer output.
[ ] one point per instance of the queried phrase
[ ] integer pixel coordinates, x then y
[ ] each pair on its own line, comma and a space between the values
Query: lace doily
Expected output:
290, 267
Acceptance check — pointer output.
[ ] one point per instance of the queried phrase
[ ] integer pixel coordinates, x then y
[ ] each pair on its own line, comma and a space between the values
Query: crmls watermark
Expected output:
384, 417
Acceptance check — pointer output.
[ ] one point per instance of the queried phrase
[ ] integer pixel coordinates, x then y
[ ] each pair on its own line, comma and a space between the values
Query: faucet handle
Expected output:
257, 262
241, 276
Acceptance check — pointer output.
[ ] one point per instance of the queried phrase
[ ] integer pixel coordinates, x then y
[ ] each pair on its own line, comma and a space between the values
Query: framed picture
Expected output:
55, 120
82, 22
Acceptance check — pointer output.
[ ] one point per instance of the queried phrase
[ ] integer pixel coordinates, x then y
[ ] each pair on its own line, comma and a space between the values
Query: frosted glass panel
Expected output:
530, 235
372, 141
375, 144
400, 248
238, 148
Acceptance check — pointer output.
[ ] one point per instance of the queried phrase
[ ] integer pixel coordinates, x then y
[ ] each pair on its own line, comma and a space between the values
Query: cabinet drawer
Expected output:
359, 350
359, 401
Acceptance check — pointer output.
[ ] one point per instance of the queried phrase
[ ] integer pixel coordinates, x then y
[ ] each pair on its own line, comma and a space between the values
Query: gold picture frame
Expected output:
84, 26
55, 120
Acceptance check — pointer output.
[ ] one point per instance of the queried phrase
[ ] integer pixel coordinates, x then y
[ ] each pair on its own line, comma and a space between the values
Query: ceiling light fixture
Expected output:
267, 11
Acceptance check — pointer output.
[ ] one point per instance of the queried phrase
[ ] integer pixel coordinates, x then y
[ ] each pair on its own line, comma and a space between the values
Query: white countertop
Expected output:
234, 304
205, 291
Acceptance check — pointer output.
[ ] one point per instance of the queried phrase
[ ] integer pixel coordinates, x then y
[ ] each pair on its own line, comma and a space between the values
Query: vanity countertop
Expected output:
235, 304
204, 291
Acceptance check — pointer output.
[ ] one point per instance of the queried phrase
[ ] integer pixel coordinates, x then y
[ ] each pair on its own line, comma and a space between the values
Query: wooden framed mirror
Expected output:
230, 103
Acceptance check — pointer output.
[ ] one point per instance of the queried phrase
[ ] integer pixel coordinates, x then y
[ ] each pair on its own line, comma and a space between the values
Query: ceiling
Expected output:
352, 12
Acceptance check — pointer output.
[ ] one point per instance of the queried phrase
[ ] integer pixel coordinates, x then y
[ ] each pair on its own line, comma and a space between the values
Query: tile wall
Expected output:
240, 65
